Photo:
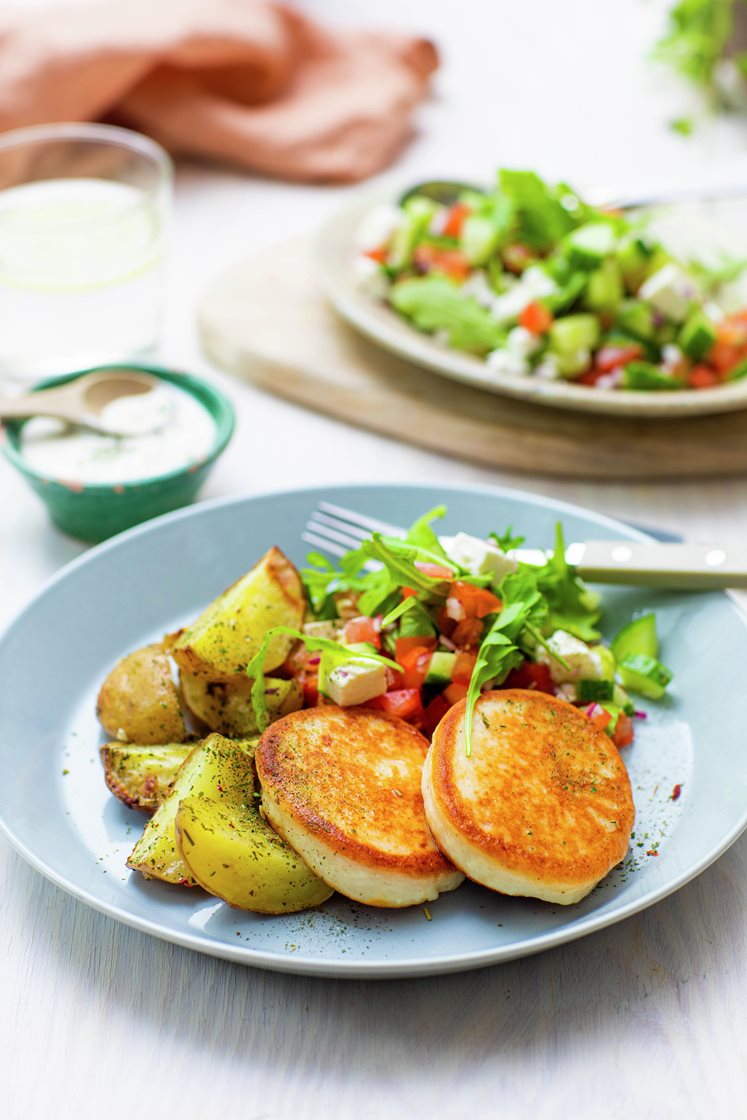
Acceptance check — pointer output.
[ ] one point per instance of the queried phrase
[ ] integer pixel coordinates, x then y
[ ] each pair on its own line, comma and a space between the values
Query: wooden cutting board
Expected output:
267, 321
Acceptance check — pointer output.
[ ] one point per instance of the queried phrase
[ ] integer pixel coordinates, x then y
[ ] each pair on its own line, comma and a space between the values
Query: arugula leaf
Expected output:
435, 303
541, 218
333, 653
497, 656
571, 606
422, 535
697, 38
399, 560
507, 540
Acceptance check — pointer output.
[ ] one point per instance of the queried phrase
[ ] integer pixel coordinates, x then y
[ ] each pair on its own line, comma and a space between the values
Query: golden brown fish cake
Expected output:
542, 806
342, 787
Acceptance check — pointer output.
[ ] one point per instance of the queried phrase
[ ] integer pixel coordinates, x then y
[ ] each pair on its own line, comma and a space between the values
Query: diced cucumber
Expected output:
633, 255
418, 213
361, 647
440, 669
605, 288
638, 636
644, 675
571, 365
479, 238
607, 662
588, 245
697, 336
594, 690
621, 699
573, 333
645, 375
637, 319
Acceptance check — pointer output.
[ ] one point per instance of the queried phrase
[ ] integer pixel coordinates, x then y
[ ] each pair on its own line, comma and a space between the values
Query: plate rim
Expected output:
334, 245
340, 968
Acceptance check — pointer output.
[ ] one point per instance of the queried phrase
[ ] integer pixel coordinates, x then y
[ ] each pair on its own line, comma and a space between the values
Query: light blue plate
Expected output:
56, 811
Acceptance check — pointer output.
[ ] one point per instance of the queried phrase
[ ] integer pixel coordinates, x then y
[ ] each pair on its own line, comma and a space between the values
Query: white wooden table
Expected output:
644, 1019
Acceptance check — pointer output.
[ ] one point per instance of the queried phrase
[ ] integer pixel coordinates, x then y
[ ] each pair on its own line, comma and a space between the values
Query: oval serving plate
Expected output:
57, 812
724, 221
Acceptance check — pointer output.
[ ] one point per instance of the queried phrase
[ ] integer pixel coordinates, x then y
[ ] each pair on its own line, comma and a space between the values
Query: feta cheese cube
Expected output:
377, 227
370, 277
583, 663
522, 342
477, 286
670, 291
534, 284
504, 363
479, 557
355, 682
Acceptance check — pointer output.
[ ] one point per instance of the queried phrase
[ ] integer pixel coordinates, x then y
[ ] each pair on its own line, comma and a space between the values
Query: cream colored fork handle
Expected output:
676, 566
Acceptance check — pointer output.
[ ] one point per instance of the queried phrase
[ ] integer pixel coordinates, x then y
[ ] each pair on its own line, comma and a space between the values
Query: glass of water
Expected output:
84, 217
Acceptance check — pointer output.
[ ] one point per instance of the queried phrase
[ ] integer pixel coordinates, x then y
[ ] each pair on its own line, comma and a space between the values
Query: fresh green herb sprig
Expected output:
333, 654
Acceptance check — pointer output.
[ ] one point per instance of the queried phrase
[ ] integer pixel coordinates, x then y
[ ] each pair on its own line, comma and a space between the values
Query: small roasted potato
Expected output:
142, 776
234, 854
139, 702
211, 768
223, 640
226, 706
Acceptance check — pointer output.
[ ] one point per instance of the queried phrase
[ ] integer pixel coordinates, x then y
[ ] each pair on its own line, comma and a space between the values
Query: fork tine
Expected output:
324, 532
359, 519
323, 544
322, 521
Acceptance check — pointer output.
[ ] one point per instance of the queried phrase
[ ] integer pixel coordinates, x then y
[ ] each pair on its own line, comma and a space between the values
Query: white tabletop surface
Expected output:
644, 1019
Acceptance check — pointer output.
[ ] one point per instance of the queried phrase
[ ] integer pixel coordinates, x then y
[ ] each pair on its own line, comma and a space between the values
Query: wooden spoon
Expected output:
80, 401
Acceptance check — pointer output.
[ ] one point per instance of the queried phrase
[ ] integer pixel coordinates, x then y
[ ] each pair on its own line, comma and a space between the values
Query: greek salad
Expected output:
541, 284
412, 625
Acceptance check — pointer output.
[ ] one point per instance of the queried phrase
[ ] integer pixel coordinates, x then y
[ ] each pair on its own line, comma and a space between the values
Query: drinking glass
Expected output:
84, 216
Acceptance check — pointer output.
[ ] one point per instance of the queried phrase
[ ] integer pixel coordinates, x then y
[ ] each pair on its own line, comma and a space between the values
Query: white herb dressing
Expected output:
166, 430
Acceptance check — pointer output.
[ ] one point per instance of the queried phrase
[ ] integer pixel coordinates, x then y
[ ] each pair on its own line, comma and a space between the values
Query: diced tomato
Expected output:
723, 357
310, 685
363, 629
378, 255
295, 662
591, 376
408, 592
463, 667
467, 634
516, 257
454, 263
435, 571
402, 646
477, 601
530, 674
423, 257
624, 732
415, 663
703, 377
406, 703
433, 714
598, 715
612, 357
454, 692
535, 318
455, 219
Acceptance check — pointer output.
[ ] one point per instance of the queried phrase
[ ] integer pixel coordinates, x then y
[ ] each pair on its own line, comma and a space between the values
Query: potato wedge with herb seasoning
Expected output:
142, 776
226, 706
223, 640
139, 702
234, 854
210, 769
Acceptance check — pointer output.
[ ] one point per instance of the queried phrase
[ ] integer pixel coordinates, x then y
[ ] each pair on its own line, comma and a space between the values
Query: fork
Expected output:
677, 566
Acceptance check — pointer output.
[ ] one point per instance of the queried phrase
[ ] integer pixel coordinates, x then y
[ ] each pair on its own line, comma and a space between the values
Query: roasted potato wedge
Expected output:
233, 853
139, 702
210, 769
226, 706
223, 640
142, 776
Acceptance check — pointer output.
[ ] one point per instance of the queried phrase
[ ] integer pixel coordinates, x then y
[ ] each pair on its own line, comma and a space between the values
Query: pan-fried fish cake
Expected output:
541, 807
342, 787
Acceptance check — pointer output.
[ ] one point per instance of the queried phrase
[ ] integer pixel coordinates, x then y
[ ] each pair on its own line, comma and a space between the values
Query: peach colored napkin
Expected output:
245, 81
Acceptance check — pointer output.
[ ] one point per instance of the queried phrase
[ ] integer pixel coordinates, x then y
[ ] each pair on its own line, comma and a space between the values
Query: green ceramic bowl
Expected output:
95, 511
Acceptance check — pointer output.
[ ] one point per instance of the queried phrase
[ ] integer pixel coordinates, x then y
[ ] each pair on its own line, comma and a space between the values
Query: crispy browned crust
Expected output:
351, 776
546, 795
